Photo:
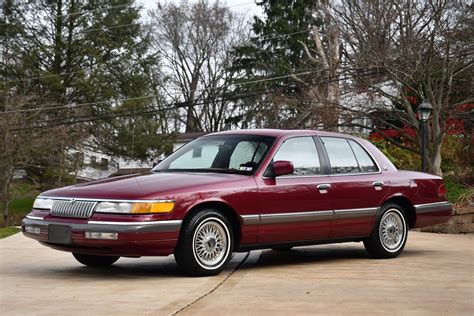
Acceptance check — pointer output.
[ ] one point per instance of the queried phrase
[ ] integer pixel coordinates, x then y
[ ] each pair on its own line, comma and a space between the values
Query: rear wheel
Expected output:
95, 261
205, 244
390, 233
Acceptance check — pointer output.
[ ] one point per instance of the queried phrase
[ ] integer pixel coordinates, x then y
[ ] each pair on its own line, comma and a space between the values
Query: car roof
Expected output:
280, 132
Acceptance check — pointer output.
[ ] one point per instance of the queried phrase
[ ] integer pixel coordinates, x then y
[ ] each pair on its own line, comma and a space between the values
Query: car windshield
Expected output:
221, 153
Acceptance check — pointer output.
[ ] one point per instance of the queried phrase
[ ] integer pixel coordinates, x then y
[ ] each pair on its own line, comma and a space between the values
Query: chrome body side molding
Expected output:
311, 216
356, 212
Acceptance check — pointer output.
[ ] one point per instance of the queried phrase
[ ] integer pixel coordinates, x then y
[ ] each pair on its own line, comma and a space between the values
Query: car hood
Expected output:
150, 186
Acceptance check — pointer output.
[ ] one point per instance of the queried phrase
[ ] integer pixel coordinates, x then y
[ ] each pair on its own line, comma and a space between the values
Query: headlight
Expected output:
43, 203
112, 207
135, 208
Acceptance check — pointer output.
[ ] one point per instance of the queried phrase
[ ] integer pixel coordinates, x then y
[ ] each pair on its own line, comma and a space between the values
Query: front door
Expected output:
357, 186
296, 207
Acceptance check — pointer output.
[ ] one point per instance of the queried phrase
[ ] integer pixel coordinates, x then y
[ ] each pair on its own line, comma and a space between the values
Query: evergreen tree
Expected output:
297, 46
89, 56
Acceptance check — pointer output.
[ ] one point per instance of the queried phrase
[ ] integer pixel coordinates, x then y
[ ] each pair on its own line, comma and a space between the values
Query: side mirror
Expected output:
282, 167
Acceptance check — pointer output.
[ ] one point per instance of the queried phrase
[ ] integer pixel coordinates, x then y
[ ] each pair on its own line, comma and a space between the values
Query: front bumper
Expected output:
137, 238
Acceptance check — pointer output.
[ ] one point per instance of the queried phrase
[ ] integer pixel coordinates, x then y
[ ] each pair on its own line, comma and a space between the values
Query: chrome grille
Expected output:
72, 208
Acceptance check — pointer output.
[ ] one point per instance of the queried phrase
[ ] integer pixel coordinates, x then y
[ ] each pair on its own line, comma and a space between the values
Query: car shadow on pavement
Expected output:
313, 254
125, 268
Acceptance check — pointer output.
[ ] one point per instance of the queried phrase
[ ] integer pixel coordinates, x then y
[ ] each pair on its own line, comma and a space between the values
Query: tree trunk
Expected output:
435, 160
6, 201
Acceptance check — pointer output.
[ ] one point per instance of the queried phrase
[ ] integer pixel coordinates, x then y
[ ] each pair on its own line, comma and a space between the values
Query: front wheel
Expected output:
390, 233
95, 261
205, 244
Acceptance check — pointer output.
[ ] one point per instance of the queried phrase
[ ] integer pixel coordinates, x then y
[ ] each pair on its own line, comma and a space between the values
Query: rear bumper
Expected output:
432, 213
149, 238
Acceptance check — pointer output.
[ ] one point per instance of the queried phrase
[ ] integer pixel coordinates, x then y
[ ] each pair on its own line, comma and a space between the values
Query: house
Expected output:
98, 165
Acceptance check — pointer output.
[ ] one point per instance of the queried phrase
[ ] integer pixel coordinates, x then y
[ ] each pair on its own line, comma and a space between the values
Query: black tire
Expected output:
95, 261
191, 249
384, 241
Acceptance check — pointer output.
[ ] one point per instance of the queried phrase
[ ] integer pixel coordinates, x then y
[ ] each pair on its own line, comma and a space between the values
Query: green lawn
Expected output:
23, 195
21, 205
8, 231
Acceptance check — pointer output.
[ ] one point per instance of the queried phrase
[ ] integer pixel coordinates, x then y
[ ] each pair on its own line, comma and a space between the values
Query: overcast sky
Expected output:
247, 7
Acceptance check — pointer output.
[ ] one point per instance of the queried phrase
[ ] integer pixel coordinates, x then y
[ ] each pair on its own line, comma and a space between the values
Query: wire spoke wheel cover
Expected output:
392, 230
211, 243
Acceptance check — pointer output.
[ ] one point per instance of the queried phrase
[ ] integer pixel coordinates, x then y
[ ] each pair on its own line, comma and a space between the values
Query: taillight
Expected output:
442, 191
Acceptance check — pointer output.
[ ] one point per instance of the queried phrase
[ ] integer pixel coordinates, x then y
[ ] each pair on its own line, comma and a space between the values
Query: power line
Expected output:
146, 111
74, 72
127, 113
65, 106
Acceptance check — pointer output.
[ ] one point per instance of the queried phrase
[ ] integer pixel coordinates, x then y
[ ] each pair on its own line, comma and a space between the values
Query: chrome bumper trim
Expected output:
113, 227
433, 207
169, 222
35, 217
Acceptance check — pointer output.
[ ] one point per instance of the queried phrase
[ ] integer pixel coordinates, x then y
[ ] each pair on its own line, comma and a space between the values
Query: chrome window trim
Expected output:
323, 174
296, 176
106, 200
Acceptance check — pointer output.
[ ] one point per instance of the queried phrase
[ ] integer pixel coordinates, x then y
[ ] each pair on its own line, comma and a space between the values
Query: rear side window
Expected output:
301, 151
347, 156
340, 154
366, 164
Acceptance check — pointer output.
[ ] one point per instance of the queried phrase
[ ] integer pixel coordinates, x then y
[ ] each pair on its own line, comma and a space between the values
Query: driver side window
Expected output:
301, 151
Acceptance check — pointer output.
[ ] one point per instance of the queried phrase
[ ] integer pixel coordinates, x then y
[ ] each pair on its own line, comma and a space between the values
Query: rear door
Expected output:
357, 186
293, 208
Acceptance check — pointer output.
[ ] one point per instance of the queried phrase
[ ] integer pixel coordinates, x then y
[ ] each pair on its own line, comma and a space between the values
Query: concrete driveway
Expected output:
434, 275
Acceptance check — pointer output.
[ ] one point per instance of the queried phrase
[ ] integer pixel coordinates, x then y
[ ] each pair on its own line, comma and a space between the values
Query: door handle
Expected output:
323, 187
378, 185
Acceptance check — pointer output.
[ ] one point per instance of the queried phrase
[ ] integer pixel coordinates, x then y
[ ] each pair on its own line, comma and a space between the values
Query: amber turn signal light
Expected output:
152, 208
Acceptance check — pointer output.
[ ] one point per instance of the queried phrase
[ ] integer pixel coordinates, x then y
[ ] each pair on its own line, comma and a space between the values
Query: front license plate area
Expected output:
59, 234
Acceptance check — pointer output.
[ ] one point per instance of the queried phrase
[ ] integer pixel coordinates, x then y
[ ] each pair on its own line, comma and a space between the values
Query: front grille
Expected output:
72, 208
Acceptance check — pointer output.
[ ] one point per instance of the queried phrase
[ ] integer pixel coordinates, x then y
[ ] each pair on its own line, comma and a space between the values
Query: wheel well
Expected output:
227, 211
408, 208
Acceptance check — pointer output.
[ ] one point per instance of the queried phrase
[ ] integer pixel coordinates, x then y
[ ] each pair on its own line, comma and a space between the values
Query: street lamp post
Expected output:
424, 113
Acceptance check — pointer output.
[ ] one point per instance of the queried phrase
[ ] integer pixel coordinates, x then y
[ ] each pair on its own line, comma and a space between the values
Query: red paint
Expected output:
252, 195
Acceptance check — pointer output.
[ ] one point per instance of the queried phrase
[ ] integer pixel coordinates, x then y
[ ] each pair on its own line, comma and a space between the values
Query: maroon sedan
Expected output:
242, 190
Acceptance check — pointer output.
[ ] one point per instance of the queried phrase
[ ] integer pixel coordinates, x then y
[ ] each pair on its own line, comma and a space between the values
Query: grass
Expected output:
21, 205
455, 190
23, 195
8, 231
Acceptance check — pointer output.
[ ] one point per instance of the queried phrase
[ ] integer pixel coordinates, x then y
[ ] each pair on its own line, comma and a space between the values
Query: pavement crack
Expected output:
214, 288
